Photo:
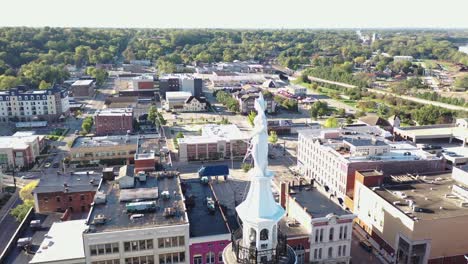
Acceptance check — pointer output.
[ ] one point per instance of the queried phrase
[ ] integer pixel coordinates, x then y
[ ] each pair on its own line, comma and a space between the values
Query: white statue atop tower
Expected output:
259, 212
259, 142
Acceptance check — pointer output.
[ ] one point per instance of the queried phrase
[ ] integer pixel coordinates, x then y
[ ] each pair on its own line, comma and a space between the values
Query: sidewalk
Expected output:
384, 257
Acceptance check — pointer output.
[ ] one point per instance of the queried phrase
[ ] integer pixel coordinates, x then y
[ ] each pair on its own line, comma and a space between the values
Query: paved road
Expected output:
359, 255
410, 98
8, 226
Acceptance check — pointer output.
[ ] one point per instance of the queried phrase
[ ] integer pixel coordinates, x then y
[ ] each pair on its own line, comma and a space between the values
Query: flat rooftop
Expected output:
316, 203
64, 241
148, 146
212, 133
435, 131
115, 112
20, 141
116, 214
83, 181
339, 139
104, 141
432, 193
82, 82
199, 215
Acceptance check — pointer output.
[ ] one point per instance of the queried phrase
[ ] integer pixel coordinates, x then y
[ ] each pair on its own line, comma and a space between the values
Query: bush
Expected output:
20, 211
246, 167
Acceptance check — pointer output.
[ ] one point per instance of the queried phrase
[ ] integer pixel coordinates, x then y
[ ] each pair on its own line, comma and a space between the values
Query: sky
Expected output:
236, 13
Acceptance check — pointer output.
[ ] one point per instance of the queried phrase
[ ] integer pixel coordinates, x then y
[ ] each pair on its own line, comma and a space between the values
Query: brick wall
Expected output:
113, 124
60, 201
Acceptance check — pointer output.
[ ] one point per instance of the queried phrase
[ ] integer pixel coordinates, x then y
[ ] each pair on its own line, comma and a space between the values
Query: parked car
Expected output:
47, 165
56, 165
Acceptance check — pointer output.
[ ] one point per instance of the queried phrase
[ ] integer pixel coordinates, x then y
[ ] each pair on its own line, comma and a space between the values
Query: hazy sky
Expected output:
236, 13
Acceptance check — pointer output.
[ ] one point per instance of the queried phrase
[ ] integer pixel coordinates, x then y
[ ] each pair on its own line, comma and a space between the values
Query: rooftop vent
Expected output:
99, 219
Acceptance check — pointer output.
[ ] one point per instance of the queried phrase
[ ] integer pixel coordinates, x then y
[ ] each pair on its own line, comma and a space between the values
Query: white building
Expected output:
332, 156
184, 102
153, 231
403, 58
329, 227
49, 104
63, 244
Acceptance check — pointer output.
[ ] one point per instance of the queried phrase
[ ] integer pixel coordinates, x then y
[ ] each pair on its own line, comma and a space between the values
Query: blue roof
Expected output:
214, 170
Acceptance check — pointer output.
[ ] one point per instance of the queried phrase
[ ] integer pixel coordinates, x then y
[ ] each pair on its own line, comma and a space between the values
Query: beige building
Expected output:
107, 148
415, 218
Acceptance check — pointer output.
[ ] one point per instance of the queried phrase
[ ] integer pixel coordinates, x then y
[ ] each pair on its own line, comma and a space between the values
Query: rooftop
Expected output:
168, 210
148, 146
178, 95
212, 133
104, 141
434, 196
199, 215
16, 141
63, 242
316, 203
82, 82
340, 140
83, 181
115, 112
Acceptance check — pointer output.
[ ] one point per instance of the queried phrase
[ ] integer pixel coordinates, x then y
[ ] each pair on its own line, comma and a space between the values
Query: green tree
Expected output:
319, 109
462, 82
100, 75
7, 82
87, 124
341, 112
26, 192
44, 85
250, 117
20, 211
273, 137
331, 123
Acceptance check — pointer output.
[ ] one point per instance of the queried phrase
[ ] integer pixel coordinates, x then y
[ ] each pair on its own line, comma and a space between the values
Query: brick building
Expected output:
216, 142
114, 121
75, 192
83, 88
20, 150
332, 156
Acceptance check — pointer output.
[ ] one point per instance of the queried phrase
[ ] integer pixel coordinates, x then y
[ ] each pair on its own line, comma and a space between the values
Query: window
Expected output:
330, 236
316, 235
220, 257
70, 198
321, 235
110, 261
140, 260
264, 234
343, 251
320, 253
82, 197
210, 258
167, 242
339, 251
196, 260
315, 253
341, 233
46, 199
345, 233
330, 252
138, 245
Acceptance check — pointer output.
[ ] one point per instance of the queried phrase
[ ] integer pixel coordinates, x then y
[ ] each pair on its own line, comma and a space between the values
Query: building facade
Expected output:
414, 218
114, 121
19, 104
20, 150
216, 142
332, 156
83, 89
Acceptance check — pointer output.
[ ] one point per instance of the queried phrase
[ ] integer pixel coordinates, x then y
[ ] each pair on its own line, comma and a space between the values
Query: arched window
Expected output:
210, 258
330, 237
264, 234
253, 235
330, 252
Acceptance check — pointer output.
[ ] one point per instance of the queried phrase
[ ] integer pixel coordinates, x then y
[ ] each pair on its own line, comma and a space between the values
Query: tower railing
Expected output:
251, 255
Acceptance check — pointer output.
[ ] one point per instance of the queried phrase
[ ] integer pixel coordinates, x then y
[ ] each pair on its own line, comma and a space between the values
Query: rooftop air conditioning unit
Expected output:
99, 219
